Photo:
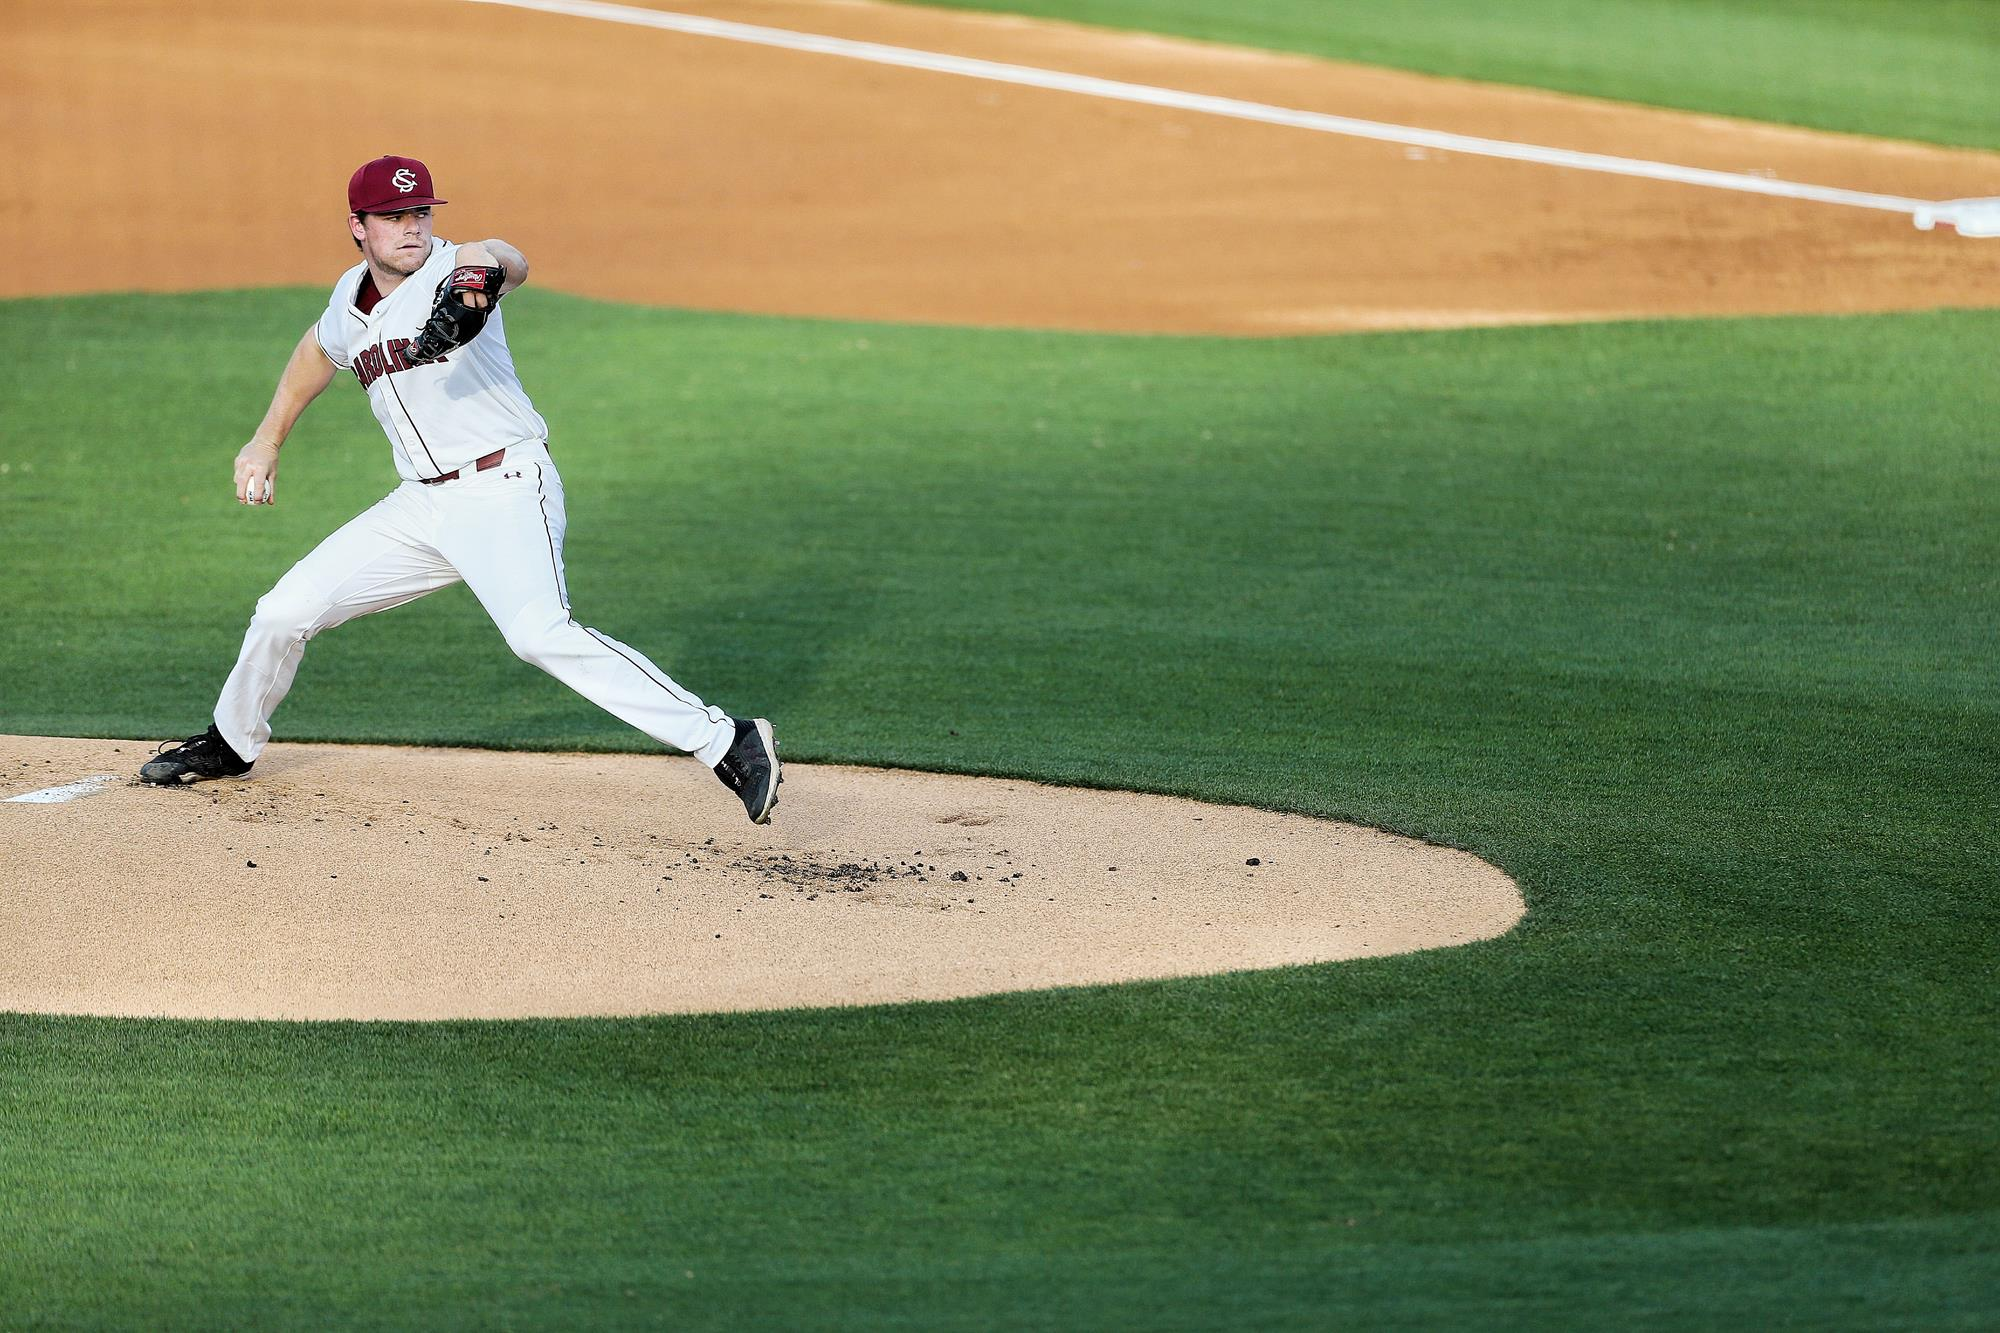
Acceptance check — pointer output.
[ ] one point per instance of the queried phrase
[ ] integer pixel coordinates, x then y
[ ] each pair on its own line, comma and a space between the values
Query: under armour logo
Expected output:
506, 475
404, 180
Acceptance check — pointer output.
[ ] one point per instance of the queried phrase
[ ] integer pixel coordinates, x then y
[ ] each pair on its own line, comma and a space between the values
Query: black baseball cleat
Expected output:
750, 769
194, 759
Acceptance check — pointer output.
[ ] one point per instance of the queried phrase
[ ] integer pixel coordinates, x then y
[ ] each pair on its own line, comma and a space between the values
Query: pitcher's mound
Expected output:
373, 882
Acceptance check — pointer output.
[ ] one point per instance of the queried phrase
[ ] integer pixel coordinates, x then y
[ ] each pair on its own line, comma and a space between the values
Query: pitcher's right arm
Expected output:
305, 378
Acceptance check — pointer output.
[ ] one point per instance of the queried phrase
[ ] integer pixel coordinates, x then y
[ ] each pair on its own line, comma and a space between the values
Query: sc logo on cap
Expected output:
404, 180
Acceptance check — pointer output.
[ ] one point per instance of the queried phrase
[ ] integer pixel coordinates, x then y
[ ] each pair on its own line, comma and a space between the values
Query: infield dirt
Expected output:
169, 147
371, 882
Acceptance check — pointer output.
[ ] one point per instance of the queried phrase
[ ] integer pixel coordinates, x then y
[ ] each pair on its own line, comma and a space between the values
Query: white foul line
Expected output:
1145, 94
69, 791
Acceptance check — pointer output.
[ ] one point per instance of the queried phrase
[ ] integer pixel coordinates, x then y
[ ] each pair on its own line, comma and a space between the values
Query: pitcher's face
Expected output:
398, 242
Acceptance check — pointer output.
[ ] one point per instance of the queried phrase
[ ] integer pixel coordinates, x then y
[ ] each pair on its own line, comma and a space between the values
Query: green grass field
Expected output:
1914, 69
1690, 626
1687, 625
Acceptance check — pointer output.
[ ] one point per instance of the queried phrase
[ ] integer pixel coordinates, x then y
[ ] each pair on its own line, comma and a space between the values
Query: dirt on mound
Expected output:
366, 882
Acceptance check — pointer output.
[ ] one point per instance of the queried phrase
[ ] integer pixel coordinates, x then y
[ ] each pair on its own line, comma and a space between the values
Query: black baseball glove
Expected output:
453, 323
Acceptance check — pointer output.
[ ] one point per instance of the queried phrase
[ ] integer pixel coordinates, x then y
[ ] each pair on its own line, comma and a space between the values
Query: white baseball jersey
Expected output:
442, 416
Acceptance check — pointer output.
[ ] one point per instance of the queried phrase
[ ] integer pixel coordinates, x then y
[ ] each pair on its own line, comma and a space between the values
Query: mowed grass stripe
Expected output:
1688, 625
1915, 69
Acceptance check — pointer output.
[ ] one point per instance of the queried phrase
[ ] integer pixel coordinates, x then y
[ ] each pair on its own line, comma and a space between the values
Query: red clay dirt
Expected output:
166, 147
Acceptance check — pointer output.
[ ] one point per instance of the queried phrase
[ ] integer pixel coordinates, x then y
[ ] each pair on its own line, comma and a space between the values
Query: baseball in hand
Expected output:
257, 474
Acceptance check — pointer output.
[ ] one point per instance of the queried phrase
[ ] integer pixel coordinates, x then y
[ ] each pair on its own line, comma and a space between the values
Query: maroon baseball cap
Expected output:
390, 185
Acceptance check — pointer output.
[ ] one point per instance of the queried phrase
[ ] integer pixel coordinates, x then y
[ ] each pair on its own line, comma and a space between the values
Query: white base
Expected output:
1970, 217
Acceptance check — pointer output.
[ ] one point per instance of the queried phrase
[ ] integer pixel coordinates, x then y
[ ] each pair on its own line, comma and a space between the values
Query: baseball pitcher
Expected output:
418, 323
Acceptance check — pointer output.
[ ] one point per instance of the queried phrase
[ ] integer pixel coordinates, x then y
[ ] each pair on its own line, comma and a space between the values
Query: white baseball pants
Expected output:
501, 531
